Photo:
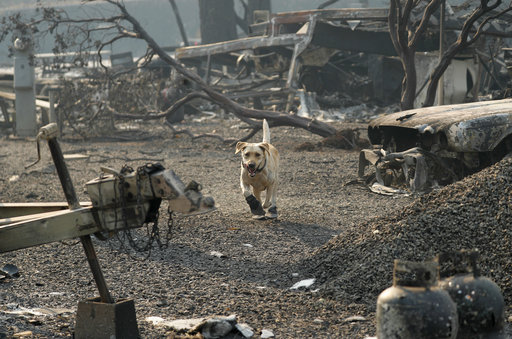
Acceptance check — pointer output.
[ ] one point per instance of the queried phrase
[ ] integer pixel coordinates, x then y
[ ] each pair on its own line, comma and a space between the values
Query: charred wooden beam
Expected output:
237, 45
378, 14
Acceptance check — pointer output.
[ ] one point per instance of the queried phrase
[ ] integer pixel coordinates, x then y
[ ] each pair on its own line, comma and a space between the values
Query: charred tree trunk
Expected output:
217, 20
409, 81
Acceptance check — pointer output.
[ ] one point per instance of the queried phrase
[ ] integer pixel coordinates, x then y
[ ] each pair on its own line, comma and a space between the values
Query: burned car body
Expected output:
426, 146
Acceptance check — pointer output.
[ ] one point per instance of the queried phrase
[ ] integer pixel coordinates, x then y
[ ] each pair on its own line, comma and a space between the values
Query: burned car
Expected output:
437, 145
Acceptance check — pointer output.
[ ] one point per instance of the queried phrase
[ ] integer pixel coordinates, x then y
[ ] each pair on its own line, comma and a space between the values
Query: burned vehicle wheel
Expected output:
424, 147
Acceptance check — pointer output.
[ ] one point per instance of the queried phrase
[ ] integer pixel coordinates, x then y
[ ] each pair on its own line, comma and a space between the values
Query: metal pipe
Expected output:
69, 192
62, 171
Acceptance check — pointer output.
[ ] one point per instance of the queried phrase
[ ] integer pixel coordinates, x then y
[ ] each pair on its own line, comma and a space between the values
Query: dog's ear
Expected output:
240, 146
264, 146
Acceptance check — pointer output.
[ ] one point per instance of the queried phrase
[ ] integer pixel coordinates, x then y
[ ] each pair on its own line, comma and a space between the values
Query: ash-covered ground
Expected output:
330, 228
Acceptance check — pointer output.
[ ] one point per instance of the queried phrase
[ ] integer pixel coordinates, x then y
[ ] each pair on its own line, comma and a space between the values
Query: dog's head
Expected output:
253, 156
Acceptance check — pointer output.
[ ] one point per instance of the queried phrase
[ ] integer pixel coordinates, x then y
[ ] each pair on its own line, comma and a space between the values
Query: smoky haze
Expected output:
156, 16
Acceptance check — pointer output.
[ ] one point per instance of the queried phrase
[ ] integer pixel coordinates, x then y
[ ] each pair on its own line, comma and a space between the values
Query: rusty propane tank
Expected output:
414, 307
479, 300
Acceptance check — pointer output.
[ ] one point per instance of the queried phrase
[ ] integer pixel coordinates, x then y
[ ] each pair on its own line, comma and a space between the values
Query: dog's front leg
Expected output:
268, 195
254, 204
270, 201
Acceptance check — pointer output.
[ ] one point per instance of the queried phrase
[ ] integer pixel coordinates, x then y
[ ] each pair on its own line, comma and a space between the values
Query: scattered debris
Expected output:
216, 327
75, 156
180, 325
324, 161
354, 318
245, 330
266, 334
38, 311
23, 334
209, 328
217, 254
385, 190
10, 270
306, 283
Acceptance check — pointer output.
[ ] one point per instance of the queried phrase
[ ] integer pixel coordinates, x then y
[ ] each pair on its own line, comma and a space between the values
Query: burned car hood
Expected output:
440, 117
475, 127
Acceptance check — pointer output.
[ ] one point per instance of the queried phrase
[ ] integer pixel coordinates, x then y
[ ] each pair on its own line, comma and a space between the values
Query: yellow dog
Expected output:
260, 170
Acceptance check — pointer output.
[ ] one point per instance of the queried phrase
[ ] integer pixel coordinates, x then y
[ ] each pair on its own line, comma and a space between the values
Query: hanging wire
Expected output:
139, 240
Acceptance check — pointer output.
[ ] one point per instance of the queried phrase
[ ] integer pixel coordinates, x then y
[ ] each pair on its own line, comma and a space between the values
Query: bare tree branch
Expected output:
420, 30
392, 24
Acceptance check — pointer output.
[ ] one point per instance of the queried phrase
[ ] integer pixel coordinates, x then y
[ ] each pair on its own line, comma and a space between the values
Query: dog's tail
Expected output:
266, 132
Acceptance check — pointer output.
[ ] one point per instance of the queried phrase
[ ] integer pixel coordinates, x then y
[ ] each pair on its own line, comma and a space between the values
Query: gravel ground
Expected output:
326, 230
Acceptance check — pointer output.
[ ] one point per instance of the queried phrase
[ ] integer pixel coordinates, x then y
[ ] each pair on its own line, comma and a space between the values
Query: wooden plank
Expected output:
25, 217
62, 225
16, 209
237, 45
380, 14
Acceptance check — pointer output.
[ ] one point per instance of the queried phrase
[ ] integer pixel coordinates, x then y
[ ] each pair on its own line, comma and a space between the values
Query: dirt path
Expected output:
318, 200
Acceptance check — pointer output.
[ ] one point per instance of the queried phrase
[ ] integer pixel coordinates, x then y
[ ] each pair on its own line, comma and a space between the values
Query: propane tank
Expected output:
480, 304
414, 307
